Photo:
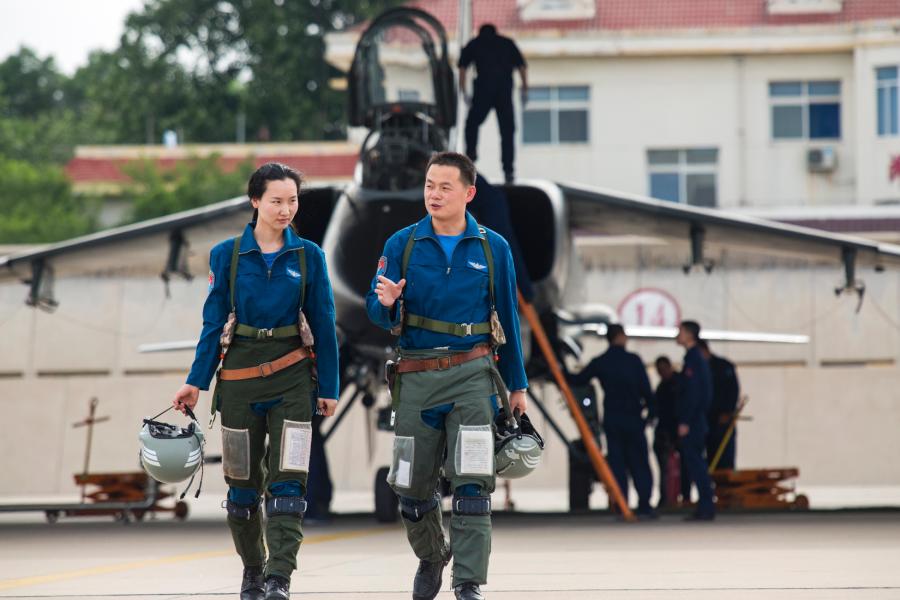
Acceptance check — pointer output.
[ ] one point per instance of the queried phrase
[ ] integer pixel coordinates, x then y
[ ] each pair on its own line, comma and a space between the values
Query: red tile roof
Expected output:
657, 14
99, 169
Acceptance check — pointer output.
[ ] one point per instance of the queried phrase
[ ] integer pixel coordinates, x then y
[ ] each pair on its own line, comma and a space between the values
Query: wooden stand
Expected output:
767, 489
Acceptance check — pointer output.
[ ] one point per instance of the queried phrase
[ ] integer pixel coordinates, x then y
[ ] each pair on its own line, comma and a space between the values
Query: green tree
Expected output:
189, 184
37, 205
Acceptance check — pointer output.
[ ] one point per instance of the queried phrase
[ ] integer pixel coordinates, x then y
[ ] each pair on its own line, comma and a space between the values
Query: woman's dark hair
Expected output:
272, 171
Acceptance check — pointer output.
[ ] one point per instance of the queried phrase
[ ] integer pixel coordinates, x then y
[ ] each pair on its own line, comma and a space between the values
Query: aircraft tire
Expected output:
386, 503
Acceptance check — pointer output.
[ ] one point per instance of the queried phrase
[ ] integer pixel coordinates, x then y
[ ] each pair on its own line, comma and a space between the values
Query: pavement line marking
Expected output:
8, 584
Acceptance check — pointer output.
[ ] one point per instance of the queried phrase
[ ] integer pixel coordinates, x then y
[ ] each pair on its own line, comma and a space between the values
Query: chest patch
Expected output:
293, 273
477, 265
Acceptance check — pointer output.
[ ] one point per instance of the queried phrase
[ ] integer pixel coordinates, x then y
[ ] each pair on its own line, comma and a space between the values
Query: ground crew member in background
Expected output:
495, 57
626, 395
258, 284
445, 285
694, 400
726, 391
665, 437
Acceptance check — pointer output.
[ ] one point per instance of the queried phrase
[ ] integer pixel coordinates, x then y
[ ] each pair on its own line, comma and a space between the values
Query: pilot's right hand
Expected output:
187, 395
388, 291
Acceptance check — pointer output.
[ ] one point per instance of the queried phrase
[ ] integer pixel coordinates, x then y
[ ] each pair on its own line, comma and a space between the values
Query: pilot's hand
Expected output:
518, 400
326, 406
523, 96
388, 291
683, 430
187, 395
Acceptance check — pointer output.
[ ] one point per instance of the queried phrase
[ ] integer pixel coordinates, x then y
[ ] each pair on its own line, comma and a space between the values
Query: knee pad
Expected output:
413, 510
242, 503
285, 505
467, 500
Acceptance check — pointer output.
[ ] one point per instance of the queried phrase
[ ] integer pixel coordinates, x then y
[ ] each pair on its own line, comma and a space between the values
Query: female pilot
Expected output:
269, 319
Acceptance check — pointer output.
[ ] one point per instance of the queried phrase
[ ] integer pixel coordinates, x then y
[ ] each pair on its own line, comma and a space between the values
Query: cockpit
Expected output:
401, 89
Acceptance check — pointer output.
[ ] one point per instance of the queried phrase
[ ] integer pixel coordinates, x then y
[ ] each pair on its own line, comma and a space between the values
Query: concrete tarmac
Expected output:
845, 555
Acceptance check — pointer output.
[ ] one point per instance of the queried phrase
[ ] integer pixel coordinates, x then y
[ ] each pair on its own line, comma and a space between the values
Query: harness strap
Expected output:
254, 332
457, 329
277, 332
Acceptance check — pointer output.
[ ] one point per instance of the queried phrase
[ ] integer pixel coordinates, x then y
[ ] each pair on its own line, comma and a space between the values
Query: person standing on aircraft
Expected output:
448, 288
495, 57
726, 391
626, 395
694, 400
665, 435
269, 318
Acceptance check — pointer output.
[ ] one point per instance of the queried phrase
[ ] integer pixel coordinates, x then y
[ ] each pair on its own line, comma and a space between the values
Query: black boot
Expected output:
252, 584
427, 583
468, 591
278, 588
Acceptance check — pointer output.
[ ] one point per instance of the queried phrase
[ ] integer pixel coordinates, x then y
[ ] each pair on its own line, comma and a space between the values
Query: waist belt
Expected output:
457, 329
277, 332
407, 365
265, 369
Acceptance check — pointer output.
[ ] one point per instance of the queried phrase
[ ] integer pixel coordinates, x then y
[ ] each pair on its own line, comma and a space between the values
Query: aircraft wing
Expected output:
703, 233
174, 245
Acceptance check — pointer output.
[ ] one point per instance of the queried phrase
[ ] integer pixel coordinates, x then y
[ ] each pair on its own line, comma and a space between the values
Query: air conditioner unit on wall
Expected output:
821, 160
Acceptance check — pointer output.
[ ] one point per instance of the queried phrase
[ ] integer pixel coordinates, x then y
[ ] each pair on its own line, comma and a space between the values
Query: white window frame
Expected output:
887, 84
554, 105
804, 99
682, 168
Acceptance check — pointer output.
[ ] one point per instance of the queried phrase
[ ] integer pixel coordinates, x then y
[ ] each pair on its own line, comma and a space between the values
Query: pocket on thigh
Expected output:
474, 450
296, 442
236, 453
400, 473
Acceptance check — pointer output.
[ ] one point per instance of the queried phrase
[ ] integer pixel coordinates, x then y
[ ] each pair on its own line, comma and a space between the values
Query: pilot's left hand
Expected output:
326, 406
518, 400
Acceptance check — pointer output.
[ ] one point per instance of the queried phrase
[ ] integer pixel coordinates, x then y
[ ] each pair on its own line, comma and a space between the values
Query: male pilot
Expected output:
447, 286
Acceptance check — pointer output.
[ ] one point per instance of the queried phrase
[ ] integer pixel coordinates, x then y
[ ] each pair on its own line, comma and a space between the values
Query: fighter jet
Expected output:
402, 91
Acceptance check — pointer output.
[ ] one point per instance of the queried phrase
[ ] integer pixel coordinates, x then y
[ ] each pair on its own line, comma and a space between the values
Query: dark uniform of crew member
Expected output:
495, 57
694, 400
665, 435
446, 286
269, 313
726, 391
626, 395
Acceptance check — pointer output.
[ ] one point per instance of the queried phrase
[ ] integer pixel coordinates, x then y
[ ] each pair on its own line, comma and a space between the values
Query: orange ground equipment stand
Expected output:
590, 444
759, 489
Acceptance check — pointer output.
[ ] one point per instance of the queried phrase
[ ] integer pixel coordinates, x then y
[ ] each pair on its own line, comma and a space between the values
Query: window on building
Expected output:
888, 102
687, 176
556, 115
805, 109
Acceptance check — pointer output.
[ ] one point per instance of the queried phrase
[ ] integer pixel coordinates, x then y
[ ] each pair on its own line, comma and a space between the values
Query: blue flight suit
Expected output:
626, 392
495, 58
726, 391
694, 400
456, 292
434, 407
267, 299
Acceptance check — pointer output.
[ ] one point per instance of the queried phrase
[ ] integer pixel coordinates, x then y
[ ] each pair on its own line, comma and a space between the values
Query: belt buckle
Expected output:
264, 333
441, 360
263, 367
467, 327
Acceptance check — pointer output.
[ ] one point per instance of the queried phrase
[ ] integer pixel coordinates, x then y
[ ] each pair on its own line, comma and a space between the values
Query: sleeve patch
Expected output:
212, 280
382, 266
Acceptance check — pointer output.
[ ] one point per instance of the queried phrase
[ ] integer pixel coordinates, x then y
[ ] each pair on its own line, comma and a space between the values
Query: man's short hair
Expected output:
662, 360
455, 159
487, 29
613, 331
693, 327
